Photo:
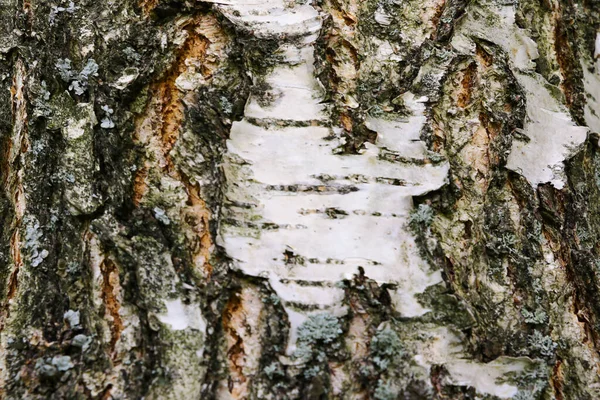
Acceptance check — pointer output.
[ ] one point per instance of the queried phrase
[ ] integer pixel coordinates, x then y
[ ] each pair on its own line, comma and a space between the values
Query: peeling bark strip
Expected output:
12, 173
320, 238
243, 325
110, 293
312, 199
160, 127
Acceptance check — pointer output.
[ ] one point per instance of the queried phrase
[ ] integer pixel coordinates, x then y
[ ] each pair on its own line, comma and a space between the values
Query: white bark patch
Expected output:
554, 136
382, 18
591, 84
129, 76
295, 93
271, 17
402, 137
189, 81
552, 132
181, 316
484, 377
305, 217
441, 346
76, 129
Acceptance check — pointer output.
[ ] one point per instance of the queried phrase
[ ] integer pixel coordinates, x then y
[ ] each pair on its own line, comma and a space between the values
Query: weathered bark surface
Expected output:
295, 199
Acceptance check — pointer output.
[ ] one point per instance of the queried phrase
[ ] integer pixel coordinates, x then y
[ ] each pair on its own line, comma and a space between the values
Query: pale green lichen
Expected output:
537, 317
317, 339
139, 104
274, 369
319, 328
386, 347
40, 101
525, 395
421, 216
542, 344
76, 170
386, 391
273, 299
531, 383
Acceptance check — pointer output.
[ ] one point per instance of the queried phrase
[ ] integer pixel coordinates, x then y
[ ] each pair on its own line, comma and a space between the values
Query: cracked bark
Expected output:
299, 199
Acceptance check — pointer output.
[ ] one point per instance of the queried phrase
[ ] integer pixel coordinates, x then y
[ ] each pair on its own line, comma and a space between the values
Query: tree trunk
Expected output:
279, 199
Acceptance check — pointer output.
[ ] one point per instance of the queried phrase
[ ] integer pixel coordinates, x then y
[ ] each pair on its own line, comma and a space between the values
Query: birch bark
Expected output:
279, 199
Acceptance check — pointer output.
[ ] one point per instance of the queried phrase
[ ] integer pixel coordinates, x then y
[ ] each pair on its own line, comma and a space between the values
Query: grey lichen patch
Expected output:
318, 339
533, 384
386, 347
389, 367
107, 122
543, 345
161, 216
78, 81
319, 328
41, 106
421, 217
62, 363
537, 317
56, 10
82, 341
34, 241
72, 318
54, 366
386, 391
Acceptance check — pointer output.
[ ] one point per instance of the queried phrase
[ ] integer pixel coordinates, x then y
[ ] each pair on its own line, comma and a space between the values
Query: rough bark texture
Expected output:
299, 199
